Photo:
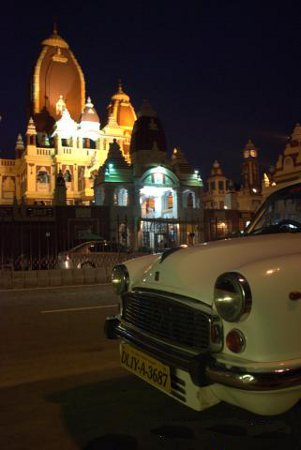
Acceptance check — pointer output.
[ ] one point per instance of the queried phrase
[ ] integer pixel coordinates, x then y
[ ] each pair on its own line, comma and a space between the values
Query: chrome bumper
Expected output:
253, 381
203, 368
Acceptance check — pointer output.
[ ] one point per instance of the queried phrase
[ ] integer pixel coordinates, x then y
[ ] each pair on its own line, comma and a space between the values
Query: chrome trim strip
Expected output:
253, 381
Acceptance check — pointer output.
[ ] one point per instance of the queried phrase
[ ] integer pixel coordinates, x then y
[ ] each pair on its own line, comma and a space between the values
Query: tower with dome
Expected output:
70, 158
64, 132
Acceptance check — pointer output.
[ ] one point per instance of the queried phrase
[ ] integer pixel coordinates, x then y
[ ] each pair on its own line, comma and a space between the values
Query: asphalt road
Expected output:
61, 387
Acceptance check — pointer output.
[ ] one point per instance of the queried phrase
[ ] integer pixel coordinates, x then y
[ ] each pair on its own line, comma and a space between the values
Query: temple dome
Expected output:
89, 122
55, 40
121, 109
57, 77
89, 113
148, 132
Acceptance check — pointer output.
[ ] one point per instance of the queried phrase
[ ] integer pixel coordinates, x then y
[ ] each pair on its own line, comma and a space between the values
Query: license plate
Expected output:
145, 367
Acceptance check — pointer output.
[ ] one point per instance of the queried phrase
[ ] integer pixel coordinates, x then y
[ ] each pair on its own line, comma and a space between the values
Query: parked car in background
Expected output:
219, 321
90, 254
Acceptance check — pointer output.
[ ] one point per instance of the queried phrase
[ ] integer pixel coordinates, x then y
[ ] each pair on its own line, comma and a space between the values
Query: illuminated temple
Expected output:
64, 132
142, 196
71, 156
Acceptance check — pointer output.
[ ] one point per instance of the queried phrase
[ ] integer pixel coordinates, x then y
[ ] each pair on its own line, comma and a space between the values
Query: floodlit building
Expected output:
156, 200
288, 165
228, 209
120, 165
64, 132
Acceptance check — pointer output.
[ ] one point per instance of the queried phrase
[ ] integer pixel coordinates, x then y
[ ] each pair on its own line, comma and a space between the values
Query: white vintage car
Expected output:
220, 321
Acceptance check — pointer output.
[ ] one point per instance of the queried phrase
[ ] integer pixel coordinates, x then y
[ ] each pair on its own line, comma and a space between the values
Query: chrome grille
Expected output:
167, 319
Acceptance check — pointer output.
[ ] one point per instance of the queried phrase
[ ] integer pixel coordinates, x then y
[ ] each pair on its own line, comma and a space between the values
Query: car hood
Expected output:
192, 271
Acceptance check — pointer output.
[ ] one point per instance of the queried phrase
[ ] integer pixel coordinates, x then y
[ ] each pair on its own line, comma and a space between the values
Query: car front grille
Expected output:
167, 318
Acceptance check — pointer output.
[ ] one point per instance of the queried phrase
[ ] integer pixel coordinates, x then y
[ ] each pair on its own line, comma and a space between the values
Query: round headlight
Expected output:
232, 296
120, 278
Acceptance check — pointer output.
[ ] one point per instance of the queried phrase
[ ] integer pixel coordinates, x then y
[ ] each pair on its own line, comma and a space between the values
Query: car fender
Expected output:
272, 329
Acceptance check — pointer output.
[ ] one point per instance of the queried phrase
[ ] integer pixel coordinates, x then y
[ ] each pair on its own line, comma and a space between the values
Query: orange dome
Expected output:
121, 109
57, 78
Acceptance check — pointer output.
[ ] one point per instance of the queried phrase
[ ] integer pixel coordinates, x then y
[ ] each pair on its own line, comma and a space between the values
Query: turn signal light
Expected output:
235, 341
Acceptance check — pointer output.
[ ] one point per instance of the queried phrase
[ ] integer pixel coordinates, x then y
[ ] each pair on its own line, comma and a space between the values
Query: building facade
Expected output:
228, 209
64, 132
156, 200
288, 165
121, 166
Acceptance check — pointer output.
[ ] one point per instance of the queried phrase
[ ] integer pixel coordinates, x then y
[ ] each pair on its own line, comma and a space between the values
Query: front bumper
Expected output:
204, 369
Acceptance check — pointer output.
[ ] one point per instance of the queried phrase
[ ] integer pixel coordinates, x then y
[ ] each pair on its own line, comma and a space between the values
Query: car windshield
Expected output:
280, 213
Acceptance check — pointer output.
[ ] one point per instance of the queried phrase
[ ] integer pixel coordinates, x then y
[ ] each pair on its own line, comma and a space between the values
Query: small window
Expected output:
66, 142
170, 201
190, 200
43, 177
122, 198
67, 176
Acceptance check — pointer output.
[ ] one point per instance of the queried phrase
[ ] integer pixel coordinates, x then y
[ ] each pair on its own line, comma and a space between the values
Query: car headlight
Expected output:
232, 296
120, 278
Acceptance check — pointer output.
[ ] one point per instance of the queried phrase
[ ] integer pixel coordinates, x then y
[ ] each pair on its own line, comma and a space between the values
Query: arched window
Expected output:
170, 201
123, 197
150, 204
189, 200
67, 176
167, 201
8, 187
120, 197
43, 176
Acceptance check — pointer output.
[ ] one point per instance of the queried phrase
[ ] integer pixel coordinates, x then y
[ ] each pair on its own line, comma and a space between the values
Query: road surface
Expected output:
61, 387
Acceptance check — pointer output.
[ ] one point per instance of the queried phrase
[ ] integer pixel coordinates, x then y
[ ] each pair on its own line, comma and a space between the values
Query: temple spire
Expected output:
55, 27
19, 148
120, 90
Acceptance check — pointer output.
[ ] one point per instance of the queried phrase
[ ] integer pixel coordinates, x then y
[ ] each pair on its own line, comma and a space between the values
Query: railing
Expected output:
44, 272
44, 151
23, 263
53, 277
7, 162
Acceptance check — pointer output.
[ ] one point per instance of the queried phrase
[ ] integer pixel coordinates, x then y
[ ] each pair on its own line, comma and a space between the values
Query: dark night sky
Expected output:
216, 72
